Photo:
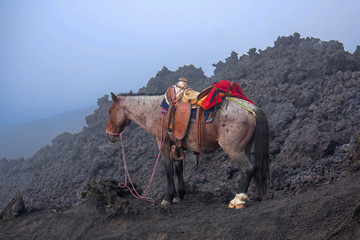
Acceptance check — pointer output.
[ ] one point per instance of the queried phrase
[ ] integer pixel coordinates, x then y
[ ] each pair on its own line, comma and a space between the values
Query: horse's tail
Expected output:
261, 148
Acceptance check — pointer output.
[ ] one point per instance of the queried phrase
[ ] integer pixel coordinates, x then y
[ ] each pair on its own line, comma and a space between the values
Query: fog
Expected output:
24, 140
58, 56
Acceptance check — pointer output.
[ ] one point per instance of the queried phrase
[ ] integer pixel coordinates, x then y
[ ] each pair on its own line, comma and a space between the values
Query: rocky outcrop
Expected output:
117, 200
165, 78
14, 208
310, 90
354, 152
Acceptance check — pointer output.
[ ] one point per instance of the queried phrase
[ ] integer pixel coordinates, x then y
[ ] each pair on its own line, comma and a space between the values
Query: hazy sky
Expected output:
60, 55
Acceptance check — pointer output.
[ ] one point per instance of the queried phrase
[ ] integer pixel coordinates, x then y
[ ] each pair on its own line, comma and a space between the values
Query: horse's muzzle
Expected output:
112, 138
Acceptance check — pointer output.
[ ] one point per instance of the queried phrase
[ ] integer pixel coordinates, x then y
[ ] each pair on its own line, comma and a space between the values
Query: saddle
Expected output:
181, 101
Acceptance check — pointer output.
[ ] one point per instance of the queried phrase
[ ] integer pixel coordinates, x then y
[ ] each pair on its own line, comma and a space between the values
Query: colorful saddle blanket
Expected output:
220, 90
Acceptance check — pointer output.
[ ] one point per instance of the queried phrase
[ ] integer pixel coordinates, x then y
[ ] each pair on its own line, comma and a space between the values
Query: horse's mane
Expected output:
139, 94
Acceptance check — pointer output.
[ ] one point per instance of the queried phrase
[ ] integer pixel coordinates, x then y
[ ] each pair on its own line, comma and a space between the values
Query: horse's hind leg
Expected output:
247, 169
179, 170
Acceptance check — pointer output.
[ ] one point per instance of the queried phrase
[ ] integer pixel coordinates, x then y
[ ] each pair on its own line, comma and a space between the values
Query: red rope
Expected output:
127, 176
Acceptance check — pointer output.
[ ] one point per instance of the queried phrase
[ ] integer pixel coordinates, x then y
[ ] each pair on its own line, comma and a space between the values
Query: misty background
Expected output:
58, 57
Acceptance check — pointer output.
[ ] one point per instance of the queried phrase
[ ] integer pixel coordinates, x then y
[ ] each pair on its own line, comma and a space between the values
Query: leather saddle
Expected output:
181, 101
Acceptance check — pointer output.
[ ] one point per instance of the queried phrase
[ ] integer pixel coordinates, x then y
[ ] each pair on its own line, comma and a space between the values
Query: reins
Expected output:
127, 176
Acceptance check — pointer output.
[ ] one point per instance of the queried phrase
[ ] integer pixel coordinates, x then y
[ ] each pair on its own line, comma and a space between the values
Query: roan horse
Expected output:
234, 129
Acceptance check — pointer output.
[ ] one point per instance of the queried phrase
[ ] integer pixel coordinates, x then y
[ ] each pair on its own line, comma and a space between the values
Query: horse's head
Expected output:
117, 118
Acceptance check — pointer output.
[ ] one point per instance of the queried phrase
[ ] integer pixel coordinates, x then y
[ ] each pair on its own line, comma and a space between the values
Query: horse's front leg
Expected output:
170, 191
179, 170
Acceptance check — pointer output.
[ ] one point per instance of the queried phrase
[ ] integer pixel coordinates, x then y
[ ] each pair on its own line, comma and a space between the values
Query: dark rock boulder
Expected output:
354, 152
107, 195
14, 208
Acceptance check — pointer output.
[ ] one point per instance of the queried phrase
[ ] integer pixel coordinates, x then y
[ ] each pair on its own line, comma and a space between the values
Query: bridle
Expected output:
118, 134
114, 134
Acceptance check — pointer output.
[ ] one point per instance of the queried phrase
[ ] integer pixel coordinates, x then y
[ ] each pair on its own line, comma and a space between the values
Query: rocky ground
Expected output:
330, 211
310, 90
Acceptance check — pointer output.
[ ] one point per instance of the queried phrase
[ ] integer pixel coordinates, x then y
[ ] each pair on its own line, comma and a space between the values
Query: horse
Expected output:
233, 129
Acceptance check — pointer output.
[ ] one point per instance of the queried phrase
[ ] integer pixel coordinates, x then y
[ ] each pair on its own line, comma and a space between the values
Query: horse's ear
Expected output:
114, 97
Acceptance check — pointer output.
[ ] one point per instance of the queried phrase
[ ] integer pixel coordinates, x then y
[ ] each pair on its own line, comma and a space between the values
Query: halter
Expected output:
114, 134
118, 134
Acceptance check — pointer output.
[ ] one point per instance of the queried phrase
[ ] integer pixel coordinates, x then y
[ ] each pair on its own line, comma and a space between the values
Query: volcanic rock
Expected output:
14, 208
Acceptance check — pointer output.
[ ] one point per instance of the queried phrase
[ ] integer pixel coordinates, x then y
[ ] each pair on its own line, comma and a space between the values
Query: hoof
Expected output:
165, 203
237, 206
238, 202
176, 199
164, 206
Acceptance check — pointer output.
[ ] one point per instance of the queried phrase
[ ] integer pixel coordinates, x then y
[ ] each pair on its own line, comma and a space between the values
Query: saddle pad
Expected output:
209, 115
244, 104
